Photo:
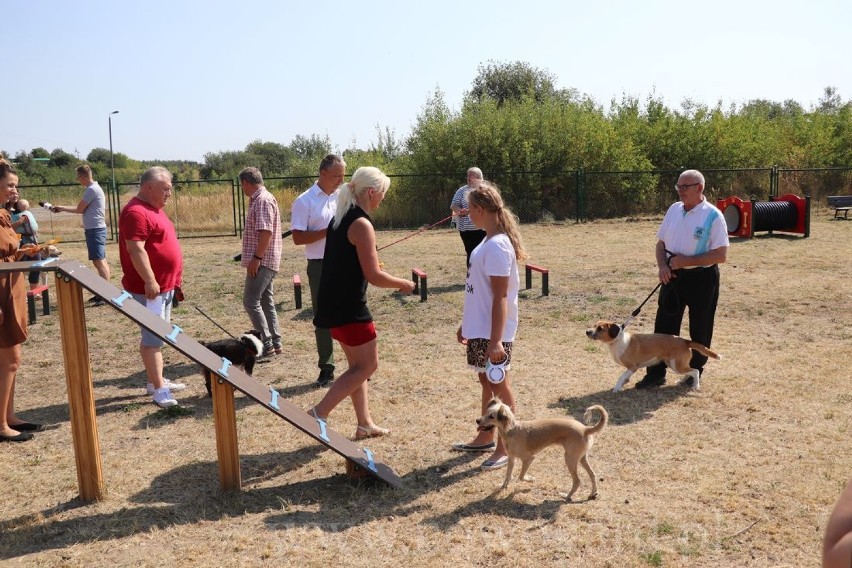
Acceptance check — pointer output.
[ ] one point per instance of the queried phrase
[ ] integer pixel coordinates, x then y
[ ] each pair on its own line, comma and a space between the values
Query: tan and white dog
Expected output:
639, 350
523, 440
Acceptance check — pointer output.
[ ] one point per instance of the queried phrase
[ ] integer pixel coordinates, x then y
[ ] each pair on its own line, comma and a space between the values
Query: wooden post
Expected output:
81, 397
297, 291
225, 420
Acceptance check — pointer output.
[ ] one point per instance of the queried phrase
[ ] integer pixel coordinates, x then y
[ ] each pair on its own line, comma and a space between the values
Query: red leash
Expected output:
416, 233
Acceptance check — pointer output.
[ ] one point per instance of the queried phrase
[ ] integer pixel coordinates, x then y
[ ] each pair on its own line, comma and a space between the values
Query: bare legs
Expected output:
102, 267
363, 361
10, 361
152, 359
504, 391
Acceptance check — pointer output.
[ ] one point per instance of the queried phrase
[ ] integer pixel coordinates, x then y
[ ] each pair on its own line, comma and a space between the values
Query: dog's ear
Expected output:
502, 416
614, 330
494, 400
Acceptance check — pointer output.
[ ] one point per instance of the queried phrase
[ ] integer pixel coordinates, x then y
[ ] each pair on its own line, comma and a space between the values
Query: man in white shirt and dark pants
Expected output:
311, 214
692, 242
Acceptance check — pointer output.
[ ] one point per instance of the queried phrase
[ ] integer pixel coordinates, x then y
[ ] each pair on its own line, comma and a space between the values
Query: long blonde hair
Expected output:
488, 197
363, 179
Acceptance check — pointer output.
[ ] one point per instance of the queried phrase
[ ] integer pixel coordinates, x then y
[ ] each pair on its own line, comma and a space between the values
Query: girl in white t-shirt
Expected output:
491, 308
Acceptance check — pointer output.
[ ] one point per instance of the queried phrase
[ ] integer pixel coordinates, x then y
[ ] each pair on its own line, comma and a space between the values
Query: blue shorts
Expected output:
148, 338
96, 243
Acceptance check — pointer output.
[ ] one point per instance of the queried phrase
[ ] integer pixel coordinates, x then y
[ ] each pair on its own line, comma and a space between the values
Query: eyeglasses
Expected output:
685, 186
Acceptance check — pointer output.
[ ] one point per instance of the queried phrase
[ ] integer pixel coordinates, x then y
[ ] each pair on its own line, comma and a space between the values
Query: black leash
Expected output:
214, 322
657, 287
639, 309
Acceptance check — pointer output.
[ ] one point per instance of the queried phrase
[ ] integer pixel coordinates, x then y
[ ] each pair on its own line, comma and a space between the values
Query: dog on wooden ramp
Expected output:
638, 350
242, 352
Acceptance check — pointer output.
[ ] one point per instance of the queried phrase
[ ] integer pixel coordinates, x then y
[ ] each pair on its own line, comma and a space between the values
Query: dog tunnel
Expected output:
788, 213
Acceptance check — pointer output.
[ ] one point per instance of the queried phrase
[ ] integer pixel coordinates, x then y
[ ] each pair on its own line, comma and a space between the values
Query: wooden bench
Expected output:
45, 302
545, 285
297, 291
840, 203
419, 278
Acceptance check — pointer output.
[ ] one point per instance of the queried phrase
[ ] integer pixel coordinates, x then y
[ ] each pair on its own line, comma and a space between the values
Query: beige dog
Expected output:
523, 440
639, 350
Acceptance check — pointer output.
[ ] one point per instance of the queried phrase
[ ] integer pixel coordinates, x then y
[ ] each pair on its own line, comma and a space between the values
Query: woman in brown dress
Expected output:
13, 316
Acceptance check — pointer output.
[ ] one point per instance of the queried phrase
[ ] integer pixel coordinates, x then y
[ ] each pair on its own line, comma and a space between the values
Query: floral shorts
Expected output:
477, 350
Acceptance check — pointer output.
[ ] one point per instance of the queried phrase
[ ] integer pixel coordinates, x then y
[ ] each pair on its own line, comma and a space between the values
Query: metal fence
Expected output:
210, 208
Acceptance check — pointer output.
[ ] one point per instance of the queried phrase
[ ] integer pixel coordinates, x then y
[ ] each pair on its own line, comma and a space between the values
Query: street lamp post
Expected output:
111, 165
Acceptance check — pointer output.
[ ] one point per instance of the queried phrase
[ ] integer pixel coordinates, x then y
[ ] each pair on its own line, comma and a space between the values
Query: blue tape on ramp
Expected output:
370, 463
120, 300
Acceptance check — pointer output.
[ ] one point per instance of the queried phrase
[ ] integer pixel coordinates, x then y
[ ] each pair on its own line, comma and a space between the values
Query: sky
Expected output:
190, 77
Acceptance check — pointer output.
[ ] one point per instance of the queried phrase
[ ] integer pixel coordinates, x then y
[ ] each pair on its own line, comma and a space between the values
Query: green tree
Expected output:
100, 155
60, 158
39, 153
312, 148
511, 81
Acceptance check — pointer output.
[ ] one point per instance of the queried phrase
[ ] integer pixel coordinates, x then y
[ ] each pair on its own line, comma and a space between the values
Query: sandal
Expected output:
370, 432
460, 447
313, 412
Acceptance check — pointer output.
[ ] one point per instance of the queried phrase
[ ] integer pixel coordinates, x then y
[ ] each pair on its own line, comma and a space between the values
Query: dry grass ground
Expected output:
742, 473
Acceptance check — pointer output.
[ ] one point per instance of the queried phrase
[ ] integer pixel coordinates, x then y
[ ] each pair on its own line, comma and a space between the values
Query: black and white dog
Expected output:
242, 352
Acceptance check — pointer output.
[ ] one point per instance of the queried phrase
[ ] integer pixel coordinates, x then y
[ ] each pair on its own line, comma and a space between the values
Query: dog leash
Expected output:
657, 287
214, 322
639, 309
416, 232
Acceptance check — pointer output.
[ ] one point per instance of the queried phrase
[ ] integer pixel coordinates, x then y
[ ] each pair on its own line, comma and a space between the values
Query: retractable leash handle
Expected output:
496, 372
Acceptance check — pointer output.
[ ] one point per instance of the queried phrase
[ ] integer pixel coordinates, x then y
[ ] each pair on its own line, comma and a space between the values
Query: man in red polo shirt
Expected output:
152, 263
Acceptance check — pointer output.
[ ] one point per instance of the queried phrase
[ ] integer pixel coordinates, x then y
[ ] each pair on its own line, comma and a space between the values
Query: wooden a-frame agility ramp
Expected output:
71, 278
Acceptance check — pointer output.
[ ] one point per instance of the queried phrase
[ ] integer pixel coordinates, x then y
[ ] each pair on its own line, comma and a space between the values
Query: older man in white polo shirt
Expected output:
692, 242
311, 214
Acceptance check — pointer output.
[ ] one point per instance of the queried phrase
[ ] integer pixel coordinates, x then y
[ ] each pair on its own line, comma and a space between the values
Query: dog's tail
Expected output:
704, 350
601, 423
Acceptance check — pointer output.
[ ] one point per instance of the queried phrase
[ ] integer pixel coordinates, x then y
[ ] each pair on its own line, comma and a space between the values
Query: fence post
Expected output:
773, 181
240, 205
581, 194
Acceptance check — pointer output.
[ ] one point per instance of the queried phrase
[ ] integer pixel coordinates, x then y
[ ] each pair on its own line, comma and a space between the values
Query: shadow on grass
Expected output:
502, 504
138, 380
625, 407
343, 502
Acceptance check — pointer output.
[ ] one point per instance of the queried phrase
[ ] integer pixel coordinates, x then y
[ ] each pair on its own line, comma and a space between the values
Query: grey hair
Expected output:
694, 174
156, 172
251, 175
331, 160
477, 171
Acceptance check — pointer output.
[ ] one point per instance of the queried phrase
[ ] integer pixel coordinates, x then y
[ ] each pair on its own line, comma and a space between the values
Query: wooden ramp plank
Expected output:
263, 395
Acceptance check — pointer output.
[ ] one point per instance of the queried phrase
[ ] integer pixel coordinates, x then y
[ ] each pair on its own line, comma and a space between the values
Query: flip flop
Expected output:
28, 427
22, 437
460, 447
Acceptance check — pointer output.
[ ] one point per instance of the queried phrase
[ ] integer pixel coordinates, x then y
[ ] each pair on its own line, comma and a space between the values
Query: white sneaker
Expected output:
163, 398
177, 387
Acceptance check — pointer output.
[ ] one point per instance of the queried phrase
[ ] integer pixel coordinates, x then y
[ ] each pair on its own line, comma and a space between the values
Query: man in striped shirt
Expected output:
261, 257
